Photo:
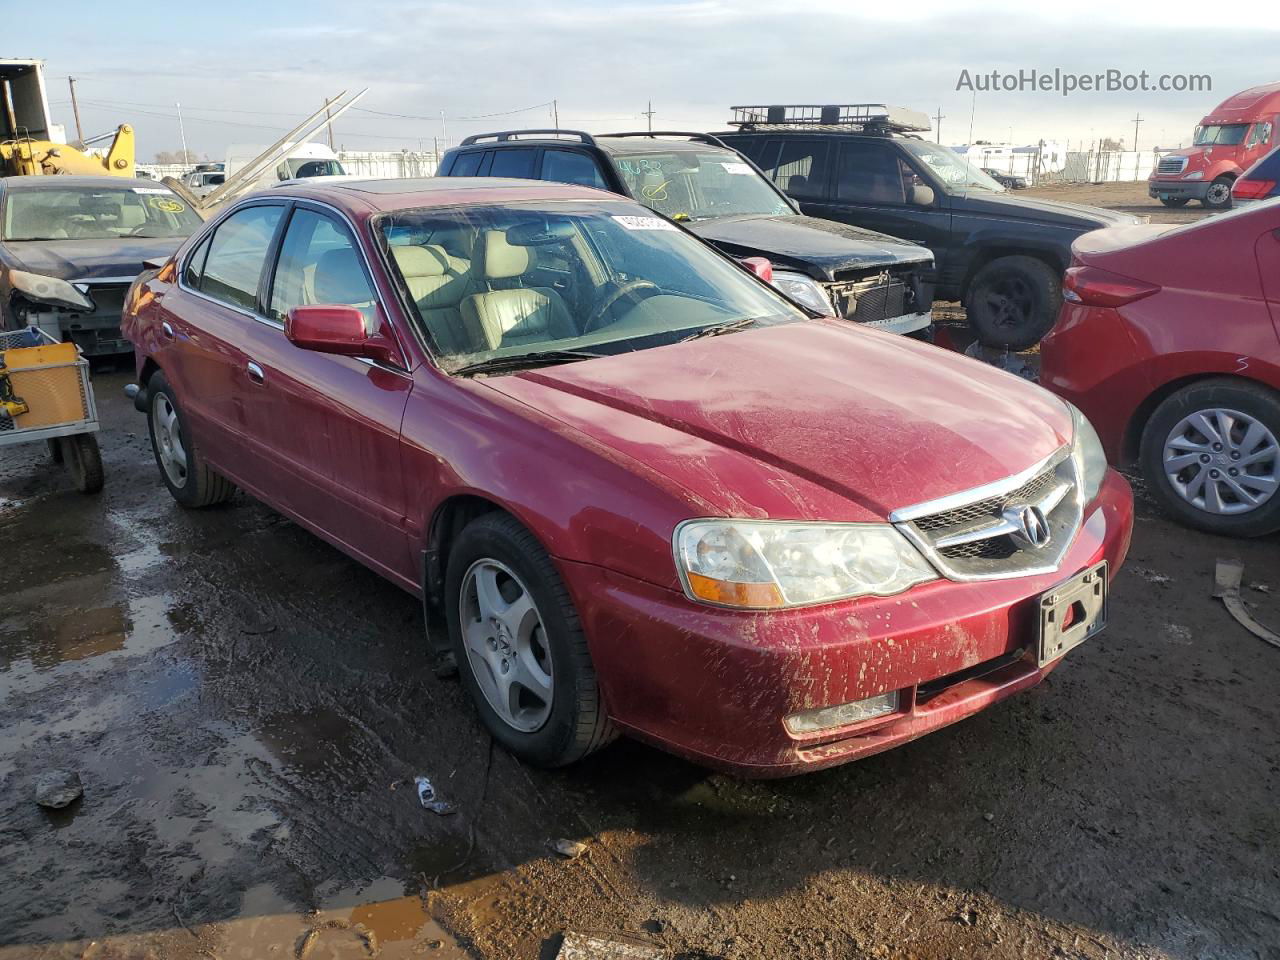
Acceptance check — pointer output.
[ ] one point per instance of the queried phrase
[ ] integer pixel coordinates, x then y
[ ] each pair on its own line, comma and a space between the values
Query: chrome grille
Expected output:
983, 537
1171, 165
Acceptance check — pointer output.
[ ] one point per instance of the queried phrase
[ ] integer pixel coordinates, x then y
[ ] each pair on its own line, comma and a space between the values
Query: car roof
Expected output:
609, 144
47, 182
399, 194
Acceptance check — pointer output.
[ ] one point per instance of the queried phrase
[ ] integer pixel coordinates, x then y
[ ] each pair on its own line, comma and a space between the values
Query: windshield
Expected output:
296, 168
697, 185
96, 213
1221, 134
956, 174
519, 281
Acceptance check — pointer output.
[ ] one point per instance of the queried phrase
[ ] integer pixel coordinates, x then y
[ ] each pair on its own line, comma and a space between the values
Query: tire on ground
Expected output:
1250, 399
202, 486
578, 723
1014, 301
1218, 195
83, 457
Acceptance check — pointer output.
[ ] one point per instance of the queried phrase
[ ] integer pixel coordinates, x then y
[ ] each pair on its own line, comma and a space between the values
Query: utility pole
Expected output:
555, 113
649, 113
1136, 120
182, 131
444, 130
328, 126
939, 116
973, 108
75, 108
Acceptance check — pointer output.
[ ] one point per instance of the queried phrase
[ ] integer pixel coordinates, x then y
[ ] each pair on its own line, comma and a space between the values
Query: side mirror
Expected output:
760, 266
921, 195
337, 329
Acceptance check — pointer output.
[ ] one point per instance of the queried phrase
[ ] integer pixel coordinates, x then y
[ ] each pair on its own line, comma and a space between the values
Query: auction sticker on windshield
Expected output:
734, 166
644, 223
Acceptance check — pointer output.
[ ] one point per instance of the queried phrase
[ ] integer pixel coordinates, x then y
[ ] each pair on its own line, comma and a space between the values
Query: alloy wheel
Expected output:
1218, 193
168, 434
1222, 461
506, 645
1010, 301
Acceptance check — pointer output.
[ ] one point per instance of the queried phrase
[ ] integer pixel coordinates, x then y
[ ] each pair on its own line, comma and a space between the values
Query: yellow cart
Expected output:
45, 394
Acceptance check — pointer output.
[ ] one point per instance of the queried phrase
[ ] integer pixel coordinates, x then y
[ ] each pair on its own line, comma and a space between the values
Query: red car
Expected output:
650, 494
1168, 341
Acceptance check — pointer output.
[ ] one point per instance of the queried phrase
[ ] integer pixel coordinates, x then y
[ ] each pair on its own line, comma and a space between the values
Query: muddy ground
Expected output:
247, 708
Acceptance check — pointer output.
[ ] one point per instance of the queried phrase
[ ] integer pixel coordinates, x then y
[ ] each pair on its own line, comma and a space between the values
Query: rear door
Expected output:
335, 421
203, 327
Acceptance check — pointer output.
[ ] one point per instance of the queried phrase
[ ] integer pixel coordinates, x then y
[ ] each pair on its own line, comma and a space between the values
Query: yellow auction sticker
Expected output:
167, 204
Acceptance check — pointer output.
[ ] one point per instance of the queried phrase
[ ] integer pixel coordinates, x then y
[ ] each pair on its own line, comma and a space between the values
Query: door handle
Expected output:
255, 372
168, 330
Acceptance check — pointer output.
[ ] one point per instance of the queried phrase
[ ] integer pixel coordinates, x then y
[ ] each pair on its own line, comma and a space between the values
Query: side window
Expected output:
570, 166
466, 165
319, 263
194, 270
513, 163
758, 149
870, 171
237, 254
1260, 134
801, 169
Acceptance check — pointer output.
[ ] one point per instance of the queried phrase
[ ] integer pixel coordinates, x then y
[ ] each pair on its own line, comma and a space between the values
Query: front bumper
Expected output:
907, 323
1177, 189
715, 685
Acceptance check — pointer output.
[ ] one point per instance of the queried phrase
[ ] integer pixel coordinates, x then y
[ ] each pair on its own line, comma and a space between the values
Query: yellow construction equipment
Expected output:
26, 157
32, 144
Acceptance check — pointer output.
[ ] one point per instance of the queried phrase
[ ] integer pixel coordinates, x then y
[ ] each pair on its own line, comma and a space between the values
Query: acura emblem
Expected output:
1030, 523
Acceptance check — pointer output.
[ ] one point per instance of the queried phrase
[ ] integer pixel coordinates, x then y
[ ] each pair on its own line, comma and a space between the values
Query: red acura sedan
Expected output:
1168, 341
650, 494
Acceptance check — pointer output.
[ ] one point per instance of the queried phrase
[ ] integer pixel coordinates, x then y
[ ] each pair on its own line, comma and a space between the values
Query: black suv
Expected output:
1002, 256
720, 196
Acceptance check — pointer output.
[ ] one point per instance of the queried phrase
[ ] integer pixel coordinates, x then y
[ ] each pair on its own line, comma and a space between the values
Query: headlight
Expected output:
766, 564
49, 290
1088, 455
1194, 175
804, 290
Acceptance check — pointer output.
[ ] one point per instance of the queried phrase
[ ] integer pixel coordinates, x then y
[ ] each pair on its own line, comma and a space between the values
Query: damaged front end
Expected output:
84, 312
896, 300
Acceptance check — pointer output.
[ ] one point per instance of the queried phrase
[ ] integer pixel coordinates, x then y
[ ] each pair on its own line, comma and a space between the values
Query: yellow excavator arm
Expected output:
36, 157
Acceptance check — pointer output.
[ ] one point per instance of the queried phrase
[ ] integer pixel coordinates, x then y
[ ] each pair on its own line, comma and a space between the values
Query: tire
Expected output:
1013, 302
1218, 196
83, 457
547, 731
195, 484
1167, 434
1175, 201
55, 449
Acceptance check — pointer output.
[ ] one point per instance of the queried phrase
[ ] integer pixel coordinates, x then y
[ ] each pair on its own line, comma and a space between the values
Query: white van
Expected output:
303, 160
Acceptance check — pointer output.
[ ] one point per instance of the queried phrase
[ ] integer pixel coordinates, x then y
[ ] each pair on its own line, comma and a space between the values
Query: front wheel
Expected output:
1013, 302
519, 645
1175, 201
1218, 196
1211, 454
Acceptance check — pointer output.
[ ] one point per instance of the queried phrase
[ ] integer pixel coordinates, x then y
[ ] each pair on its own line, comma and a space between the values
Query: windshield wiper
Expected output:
524, 361
720, 328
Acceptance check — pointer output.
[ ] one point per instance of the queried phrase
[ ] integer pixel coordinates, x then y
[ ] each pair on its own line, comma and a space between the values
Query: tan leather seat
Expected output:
513, 315
438, 283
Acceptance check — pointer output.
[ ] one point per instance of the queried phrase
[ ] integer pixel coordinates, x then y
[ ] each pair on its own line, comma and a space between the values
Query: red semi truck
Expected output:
1237, 132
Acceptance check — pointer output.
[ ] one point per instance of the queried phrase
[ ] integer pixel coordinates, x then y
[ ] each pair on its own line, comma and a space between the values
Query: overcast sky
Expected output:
247, 71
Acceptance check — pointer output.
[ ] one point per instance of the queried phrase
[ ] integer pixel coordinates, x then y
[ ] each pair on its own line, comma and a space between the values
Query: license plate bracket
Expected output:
1071, 613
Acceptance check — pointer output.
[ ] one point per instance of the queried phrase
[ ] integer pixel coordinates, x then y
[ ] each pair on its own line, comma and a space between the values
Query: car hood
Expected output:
806, 421
820, 248
1040, 210
89, 259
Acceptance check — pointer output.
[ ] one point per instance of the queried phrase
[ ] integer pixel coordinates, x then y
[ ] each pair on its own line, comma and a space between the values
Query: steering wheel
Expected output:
620, 290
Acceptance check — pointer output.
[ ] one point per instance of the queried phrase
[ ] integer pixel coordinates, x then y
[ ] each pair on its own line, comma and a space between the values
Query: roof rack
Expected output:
700, 137
516, 134
868, 117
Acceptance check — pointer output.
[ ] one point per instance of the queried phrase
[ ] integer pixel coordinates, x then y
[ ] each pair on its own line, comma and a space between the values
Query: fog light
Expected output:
842, 715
